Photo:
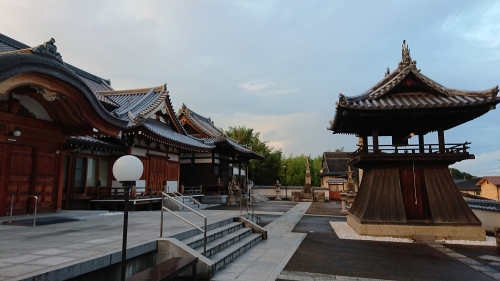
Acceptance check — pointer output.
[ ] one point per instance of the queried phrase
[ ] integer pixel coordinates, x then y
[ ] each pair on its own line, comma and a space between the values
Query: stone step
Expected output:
227, 255
197, 240
225, 241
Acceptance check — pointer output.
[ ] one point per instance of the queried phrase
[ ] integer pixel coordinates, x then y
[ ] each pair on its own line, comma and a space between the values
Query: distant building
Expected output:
333, 173
490, 187
468, 186
212, 170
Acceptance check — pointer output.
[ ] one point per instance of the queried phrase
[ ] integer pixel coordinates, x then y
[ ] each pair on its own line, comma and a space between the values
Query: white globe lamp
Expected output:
127, 169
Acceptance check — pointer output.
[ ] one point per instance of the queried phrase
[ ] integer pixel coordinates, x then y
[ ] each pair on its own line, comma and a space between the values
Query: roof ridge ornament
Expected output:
405, 57
48, 48
342, 99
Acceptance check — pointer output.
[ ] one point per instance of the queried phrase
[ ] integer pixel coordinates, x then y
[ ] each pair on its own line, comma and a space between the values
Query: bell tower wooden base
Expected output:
412, 198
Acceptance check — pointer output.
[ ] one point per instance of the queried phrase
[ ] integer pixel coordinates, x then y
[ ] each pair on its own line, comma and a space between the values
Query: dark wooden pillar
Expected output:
239, 171
192, 181
375, 140
441, 140
421, 143
365, 144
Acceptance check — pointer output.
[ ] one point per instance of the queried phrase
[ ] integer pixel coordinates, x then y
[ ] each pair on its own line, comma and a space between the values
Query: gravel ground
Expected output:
344, 231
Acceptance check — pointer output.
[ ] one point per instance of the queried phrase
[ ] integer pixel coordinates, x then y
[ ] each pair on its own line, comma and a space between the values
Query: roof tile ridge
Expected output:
204, 126
155, 106
173, 116
389, 84
493, 92
162, 88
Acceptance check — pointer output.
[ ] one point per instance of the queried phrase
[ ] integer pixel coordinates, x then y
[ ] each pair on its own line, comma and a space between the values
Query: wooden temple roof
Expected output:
149, 112
336, 163
94, 82
130, 110
204, 129
407, 98
89, 142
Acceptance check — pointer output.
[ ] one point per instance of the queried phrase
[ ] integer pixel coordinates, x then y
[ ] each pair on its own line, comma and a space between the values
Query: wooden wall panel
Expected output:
173, 171
19, 178
157, 173
45, 179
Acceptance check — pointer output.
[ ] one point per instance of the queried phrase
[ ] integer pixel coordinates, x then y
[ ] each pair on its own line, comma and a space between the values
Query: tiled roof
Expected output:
203, 124
469, 184
79, 141
167, 132
137, 103
336, 163
485, 205
214, 135
95, 83
492, 179
406, 89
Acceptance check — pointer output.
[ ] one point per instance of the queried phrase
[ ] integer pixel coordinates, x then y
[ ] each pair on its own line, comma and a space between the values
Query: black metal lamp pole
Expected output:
127, 185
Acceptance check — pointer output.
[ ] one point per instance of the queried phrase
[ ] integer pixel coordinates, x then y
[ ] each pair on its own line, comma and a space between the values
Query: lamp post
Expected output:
286, 187
127, 170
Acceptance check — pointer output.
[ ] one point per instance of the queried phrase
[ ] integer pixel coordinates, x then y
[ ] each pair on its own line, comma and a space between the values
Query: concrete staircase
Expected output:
191, 203
226, 240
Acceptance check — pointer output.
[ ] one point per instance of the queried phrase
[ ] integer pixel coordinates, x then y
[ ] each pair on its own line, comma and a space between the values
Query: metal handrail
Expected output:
180, 195
191, 199
12, 205
163, 195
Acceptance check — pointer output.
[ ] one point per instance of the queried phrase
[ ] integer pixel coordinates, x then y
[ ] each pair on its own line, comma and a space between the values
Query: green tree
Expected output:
456, 174
296, 169
265, 171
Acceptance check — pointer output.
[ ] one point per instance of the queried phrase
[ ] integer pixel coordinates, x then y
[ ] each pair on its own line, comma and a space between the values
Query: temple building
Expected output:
407, 189
333, 173
62, 128
212, 170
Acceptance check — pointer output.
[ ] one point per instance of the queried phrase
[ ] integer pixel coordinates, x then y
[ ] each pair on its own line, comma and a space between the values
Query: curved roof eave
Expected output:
15, 63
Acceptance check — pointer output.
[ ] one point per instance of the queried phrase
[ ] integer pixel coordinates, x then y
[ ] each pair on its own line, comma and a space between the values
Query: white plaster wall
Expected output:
172, 186
488, 219
138, 151
271, 193
173, 157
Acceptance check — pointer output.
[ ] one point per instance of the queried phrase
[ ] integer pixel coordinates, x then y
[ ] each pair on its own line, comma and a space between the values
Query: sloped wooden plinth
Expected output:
408, 230
402, 200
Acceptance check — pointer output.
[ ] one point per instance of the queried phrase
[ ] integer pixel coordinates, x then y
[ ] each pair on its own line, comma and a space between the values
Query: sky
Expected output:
276, 66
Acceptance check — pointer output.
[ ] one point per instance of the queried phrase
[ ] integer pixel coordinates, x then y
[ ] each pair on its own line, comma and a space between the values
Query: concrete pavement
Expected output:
301, 245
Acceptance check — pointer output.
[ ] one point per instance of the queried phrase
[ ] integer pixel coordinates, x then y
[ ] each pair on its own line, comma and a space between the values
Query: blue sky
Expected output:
276, 66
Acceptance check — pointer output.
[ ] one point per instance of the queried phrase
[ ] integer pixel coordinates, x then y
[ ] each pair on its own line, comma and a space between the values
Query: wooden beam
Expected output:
441, 140
421, 143
375, 140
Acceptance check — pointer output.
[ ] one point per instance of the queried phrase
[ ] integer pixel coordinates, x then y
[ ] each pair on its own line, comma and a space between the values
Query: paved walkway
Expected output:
301, 245
266, 260
26, 251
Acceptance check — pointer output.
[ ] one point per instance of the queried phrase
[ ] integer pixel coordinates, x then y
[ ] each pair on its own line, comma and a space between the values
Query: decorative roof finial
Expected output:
48, 48
405, 56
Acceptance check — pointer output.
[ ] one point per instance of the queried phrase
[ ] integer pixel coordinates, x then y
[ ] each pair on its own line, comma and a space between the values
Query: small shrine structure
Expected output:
407, 189
307, 194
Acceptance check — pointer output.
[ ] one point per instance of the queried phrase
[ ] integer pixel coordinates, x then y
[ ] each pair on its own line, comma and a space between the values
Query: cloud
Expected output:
265, 88
255, 85
480, 23
486, 164
295, 133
